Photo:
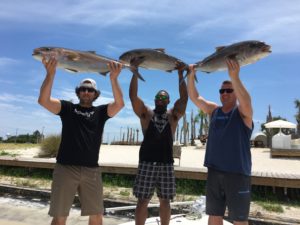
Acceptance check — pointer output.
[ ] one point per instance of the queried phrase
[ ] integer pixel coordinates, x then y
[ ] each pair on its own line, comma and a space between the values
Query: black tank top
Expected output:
157, 145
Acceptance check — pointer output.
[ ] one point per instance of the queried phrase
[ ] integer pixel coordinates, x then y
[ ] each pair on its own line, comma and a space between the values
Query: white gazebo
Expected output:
280, 124
280, 140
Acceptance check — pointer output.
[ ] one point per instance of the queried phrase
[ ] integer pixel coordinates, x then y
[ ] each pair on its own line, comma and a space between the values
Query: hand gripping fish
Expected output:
245, 52
77, 61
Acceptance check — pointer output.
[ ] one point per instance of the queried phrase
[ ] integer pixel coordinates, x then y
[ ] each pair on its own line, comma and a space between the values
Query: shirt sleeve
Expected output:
66, 108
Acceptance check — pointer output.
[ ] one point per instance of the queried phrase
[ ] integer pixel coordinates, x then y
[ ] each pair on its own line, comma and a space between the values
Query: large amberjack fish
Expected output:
77, 61
245, 52
150, 58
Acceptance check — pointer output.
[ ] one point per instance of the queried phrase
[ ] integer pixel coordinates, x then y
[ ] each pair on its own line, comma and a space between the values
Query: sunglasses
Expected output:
161, 97
227, 90
84, 89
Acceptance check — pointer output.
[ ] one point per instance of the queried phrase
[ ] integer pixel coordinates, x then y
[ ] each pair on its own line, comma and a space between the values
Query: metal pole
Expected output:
149, 206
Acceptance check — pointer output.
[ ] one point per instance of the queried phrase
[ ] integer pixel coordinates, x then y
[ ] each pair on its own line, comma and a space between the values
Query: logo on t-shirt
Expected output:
85, 114
160, 121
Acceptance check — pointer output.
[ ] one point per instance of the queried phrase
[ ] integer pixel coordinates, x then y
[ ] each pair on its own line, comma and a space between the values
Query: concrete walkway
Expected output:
194, 157
24, 212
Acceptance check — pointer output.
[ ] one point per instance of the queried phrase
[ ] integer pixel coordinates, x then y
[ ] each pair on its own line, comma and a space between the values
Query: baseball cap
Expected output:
88, 82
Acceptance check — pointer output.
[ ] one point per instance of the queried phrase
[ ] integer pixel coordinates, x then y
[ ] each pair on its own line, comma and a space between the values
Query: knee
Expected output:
142, 203
59, 221
164, 202
95, 219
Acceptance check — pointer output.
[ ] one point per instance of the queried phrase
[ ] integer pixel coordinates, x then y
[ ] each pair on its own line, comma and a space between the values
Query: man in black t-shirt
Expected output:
77, 169
155, 168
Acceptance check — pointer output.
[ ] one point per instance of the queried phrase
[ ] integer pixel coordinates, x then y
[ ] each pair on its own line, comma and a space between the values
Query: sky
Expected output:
189, 30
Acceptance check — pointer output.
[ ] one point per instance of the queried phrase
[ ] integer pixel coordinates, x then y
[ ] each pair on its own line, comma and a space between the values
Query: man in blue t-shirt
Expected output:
77, 169
228, 156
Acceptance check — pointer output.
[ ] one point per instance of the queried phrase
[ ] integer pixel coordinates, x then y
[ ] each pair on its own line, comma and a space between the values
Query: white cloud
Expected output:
17, 98
273, 21
4, 61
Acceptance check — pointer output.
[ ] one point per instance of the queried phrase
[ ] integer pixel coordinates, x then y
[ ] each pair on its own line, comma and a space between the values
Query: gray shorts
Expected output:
153, 175
228, 189
69, 180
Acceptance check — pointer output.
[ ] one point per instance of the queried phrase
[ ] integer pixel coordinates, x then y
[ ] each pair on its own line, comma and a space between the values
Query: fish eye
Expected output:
47, 49
253, 45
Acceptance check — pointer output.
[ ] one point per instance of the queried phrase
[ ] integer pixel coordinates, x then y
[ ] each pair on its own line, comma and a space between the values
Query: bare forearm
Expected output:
133, 88
45, 90
242, 95
117, 92
192, 91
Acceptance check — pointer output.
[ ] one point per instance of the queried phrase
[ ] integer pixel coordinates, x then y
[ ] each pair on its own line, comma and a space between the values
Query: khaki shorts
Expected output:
69, 180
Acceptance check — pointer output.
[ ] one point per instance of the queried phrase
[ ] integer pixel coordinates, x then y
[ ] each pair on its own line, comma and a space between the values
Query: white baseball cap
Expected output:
88, 82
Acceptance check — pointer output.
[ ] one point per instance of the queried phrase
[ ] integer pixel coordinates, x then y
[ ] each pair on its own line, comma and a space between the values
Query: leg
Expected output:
215, 220
95, 219
166, 190
143, 190
164, 211
141, 211
90, 193
59, 220
63, 190
215, 197
238, 197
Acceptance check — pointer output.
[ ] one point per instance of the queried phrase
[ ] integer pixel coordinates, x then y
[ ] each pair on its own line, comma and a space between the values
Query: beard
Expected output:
160, 109
85, 101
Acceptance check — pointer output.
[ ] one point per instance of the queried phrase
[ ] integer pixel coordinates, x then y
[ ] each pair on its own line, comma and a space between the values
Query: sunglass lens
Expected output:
227, 90
87, 89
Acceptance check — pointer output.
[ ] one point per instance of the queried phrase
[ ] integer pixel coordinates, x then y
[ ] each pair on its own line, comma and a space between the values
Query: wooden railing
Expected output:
258, 178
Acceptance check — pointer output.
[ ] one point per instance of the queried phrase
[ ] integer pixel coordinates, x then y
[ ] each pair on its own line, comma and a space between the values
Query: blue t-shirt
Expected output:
228, 144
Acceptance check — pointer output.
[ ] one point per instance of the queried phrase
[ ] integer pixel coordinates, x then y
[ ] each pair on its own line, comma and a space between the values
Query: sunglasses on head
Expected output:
161, 97
84, 89
227, 90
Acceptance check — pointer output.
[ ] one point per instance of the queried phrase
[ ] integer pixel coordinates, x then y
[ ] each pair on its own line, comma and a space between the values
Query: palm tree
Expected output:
201, 116
297, 116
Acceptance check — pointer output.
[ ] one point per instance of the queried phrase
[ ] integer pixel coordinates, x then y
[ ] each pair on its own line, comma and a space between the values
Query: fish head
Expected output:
257, 49
46, 52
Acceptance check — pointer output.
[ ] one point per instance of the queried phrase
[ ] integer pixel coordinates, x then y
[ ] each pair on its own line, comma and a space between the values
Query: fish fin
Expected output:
139, 76
169, 71
232, 56
160, 50
71, 70
103, 73
136, 61
219, 48
182, 79
185, 76
196, 79
73, 57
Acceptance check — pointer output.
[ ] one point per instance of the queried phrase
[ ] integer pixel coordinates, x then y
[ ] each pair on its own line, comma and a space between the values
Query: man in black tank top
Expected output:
156, 169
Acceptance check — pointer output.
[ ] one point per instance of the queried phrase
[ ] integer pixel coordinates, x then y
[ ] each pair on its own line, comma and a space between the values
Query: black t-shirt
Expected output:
82, 130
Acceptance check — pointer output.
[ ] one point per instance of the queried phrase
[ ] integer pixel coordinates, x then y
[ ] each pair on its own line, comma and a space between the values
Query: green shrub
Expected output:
49, 146
271, 207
